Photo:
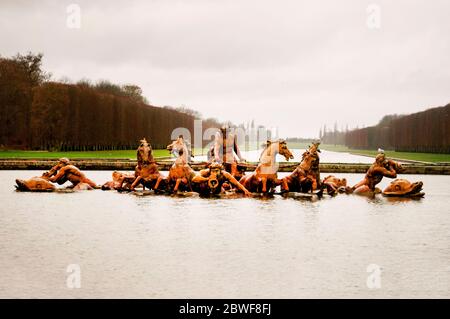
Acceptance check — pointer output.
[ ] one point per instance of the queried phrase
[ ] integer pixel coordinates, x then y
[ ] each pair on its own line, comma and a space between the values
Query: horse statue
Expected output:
315, 170
265, 177
304, 178
180, 145
146, 172
180, 175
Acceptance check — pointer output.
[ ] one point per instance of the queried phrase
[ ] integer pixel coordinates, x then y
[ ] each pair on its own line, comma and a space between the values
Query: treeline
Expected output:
36, 113
73, 117
427, 131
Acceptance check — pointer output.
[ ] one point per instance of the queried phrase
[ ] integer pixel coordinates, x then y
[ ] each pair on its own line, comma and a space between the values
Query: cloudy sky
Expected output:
295, 65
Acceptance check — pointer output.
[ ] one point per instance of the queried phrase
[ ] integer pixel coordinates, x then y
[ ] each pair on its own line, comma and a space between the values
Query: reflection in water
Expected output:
400, 200
161, 246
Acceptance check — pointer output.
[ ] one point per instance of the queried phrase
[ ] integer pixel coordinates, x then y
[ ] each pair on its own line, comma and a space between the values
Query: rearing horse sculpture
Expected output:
179, 149
180, 174
304, 177
265, 178
314, 170
146, 171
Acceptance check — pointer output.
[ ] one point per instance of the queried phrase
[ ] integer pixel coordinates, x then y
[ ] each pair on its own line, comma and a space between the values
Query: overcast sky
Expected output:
295, 65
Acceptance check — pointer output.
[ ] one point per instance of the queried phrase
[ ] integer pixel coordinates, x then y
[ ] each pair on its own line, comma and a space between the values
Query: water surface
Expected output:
160, 246
325, 157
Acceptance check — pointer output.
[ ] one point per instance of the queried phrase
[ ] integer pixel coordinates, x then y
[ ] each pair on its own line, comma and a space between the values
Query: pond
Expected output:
169, 247
325, 157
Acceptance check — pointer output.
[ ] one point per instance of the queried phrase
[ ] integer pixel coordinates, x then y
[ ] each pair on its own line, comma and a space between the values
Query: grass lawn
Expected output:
128, 154
131, 154
423, 157
122, 154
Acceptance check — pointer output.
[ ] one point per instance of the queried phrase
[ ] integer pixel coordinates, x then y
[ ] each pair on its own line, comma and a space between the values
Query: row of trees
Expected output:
70, 117
36, 113
427, 131
18, 76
